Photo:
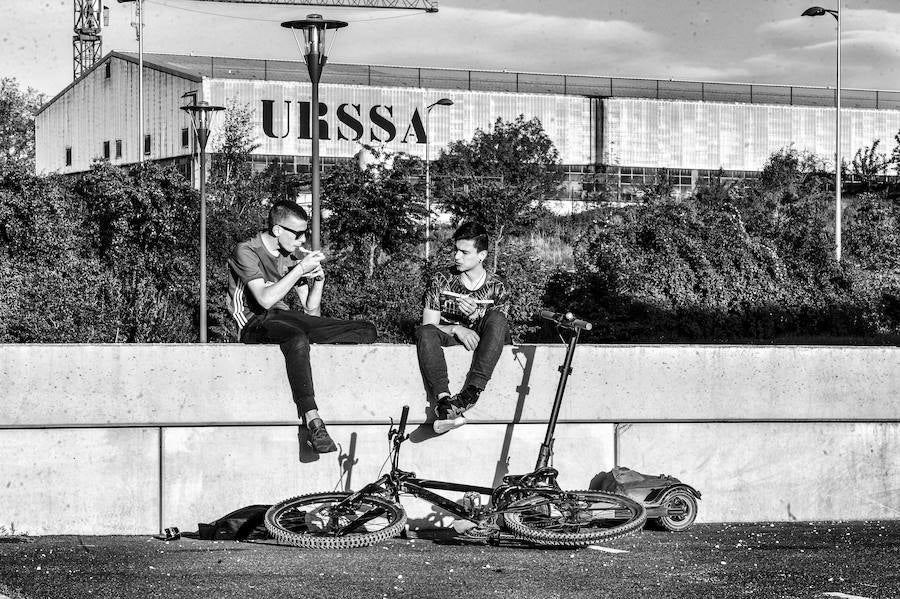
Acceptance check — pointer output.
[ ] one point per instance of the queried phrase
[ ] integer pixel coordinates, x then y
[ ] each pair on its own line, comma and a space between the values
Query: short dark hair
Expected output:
282, 208
474, 231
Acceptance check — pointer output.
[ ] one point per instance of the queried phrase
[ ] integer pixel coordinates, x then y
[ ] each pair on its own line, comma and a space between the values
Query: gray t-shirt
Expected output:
251, 260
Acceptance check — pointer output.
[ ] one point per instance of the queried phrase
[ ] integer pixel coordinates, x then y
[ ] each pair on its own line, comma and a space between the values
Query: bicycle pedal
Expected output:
442, 426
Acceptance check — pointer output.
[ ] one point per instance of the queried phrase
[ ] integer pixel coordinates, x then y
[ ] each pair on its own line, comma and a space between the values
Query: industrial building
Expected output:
626, 128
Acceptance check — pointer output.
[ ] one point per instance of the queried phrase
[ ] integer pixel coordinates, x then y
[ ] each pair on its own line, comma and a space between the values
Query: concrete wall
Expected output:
107, 439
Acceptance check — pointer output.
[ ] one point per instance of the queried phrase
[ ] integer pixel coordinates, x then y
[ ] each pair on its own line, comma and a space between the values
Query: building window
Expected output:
106, 150
118, 148
68, 156
147, 145
107, 69
185, 137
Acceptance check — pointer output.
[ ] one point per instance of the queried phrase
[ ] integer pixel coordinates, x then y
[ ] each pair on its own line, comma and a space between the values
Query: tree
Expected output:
499, 176
869, 165
17, 111
235, 143
378, 209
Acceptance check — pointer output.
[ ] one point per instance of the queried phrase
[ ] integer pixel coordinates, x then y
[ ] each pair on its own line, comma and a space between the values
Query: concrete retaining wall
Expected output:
123, 439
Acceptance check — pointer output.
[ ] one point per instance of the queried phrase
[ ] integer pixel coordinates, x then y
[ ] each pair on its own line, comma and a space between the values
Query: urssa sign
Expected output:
377, 126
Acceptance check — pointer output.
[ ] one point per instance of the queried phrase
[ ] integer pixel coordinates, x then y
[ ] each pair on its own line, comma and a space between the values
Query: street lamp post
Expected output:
441, 102
139, 27
818, 11
314, 28
201, 118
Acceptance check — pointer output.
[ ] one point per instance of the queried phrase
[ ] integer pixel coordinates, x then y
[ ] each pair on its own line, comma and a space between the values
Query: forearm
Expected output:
271, 295
313, 302
450, 329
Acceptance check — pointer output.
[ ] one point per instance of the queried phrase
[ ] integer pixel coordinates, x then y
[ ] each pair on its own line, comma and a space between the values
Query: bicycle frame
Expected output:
542, 479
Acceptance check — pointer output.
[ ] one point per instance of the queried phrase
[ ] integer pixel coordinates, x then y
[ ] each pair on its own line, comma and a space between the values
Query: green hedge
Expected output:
112, 255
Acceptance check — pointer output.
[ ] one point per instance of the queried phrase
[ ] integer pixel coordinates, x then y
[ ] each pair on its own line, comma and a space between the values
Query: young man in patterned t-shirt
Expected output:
262, 270
465, 306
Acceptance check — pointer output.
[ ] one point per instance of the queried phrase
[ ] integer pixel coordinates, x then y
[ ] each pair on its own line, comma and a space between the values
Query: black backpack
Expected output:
631, 483
242, 524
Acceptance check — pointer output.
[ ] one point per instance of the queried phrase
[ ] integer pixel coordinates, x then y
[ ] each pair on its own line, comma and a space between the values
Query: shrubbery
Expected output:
739, 265
112, 255
102, 257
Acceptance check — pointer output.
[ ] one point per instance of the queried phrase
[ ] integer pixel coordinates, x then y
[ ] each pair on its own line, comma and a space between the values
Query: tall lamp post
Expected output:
818, 11
441, 102
314, 28
139, 28
201, 118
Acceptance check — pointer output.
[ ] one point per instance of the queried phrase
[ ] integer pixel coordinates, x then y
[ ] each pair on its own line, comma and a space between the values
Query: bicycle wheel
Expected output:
321, 521
573, 518
681, 511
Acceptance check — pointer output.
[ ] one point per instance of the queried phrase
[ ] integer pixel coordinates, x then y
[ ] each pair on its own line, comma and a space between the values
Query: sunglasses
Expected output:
297, 234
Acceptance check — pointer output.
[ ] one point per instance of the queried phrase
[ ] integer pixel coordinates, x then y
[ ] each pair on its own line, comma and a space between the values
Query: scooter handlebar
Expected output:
566, 319
403, 416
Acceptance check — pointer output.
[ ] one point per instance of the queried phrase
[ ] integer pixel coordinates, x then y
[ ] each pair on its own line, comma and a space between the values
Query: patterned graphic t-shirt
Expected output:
251, 260
445, 286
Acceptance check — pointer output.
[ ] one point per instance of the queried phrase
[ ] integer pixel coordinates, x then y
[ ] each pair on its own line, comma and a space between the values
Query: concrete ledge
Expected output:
124, 439
71, 385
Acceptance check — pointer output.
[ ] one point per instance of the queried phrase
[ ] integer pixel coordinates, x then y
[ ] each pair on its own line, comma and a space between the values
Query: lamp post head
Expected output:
201, 117
441, 102
314, 28
818, 11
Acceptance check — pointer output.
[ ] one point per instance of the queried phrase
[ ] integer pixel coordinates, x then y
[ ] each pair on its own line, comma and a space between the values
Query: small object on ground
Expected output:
607, 549
844, 595
16, 539
461, 526
169, 534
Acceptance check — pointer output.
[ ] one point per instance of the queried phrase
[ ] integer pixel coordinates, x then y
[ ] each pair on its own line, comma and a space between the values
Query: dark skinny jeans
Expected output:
493, 331
294, 331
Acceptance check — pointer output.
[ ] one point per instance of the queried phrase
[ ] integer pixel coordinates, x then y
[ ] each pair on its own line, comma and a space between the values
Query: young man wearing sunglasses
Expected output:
262, 271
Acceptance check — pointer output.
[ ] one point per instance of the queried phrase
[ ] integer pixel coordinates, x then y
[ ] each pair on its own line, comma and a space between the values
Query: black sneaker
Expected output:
450, 410
319, 439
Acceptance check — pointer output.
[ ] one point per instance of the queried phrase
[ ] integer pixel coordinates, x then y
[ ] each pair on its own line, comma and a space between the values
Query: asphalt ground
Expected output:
822, 559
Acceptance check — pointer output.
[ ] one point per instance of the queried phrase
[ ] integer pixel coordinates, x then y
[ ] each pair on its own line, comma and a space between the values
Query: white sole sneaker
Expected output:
442, 426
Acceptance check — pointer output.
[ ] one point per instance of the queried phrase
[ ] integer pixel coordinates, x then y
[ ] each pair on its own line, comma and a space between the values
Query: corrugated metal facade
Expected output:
568, 120
628, 132
708, 135
98, 109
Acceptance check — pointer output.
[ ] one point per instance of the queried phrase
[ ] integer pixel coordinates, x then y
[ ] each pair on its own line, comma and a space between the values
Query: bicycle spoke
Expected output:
334, 520
573, 518
363, 519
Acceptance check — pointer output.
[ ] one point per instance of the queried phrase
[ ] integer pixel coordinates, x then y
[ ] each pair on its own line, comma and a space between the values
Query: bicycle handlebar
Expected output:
566, 319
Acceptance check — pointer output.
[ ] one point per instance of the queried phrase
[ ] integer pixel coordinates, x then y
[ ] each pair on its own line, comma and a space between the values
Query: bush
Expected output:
105, 256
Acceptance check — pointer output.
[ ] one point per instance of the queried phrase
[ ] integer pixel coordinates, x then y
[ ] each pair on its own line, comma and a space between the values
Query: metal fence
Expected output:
524, 82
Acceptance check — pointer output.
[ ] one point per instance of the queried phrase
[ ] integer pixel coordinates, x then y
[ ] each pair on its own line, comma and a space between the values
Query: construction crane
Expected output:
426, 5
87, 43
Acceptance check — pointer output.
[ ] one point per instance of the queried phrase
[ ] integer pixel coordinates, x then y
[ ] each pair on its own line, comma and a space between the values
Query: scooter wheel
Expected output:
681, 510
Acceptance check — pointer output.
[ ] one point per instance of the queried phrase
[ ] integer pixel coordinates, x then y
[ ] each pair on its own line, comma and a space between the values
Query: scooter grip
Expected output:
566, 319
403, 416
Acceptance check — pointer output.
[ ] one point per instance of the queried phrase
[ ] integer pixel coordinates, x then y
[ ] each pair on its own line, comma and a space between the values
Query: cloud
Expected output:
870, 48
496, 40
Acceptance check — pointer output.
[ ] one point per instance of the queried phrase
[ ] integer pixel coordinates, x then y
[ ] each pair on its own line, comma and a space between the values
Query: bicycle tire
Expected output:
308, 521
573, 518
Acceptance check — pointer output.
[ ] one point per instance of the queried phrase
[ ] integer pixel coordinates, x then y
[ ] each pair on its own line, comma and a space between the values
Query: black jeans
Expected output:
493, 331
294, 331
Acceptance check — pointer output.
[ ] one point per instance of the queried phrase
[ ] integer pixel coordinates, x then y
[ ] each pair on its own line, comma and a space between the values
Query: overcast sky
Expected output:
761, 41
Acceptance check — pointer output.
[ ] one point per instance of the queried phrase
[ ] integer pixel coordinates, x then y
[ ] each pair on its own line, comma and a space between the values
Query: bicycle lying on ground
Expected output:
530, 507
